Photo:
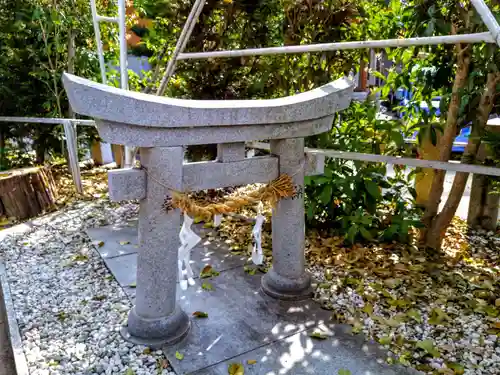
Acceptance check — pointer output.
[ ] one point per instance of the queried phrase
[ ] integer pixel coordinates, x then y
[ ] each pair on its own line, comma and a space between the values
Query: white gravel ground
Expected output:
68, 305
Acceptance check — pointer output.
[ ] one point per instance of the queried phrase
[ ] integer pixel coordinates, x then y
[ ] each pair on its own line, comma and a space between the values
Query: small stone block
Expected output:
230, 151
315, 164
126, 184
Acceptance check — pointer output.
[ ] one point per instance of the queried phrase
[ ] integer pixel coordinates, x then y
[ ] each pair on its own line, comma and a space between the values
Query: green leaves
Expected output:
438, 316
397, 138
372, 188
207, 286
326, 194
179, 356
250, 270
200, 314
457, 368
385, 340
415, 315
428, 347
365, 233
352, 233
318, 335
208, 271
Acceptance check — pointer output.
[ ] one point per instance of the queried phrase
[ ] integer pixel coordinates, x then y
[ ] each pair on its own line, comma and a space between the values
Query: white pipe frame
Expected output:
97, 32
488, 19
321, 47
181, 44
121, 21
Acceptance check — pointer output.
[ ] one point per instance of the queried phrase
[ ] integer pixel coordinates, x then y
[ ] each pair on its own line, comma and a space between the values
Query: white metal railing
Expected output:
44, 120
373, 158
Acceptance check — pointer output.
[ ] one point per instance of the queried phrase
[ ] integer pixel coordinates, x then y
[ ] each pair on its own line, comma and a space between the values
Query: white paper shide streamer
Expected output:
189, 240
257, 254
217, 220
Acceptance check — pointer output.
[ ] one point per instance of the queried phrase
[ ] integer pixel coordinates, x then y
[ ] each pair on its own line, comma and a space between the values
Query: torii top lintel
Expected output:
138, 119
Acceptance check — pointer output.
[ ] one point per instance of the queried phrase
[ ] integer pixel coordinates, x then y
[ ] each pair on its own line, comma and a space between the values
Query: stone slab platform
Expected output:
244, 324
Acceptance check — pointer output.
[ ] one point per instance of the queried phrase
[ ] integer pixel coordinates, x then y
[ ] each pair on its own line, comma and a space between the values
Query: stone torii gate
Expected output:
161, 127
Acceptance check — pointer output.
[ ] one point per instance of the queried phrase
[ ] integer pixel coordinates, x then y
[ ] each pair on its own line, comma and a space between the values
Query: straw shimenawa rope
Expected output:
277, 189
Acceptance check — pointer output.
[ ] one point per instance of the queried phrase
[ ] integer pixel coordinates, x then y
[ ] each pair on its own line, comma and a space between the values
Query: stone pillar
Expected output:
287, 278
156, 319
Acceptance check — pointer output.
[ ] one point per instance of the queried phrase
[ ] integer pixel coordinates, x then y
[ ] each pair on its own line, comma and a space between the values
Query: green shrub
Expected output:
358, 198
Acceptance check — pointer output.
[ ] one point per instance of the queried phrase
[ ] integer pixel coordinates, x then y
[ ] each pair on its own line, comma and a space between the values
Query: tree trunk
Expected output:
27, 192
490, 212
443, 220
477, 193
40, 150
2, 149
446, 141
484, 201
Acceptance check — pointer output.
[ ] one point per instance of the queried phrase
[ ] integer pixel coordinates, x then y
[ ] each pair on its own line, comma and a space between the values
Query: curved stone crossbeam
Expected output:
137, 119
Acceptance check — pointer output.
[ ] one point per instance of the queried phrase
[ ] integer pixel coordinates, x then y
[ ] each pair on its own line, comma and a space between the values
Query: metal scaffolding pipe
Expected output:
123, 45
129, 152
181, 44
107, 19
488, 18
431, 40
97, 32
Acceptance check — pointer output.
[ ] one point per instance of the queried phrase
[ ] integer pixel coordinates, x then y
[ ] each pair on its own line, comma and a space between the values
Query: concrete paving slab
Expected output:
120, 240
215, 253
123, 268
240, 319
300, 354
245, 324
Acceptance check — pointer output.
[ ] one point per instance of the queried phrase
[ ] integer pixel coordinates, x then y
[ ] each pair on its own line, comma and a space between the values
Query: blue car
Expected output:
403, 96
